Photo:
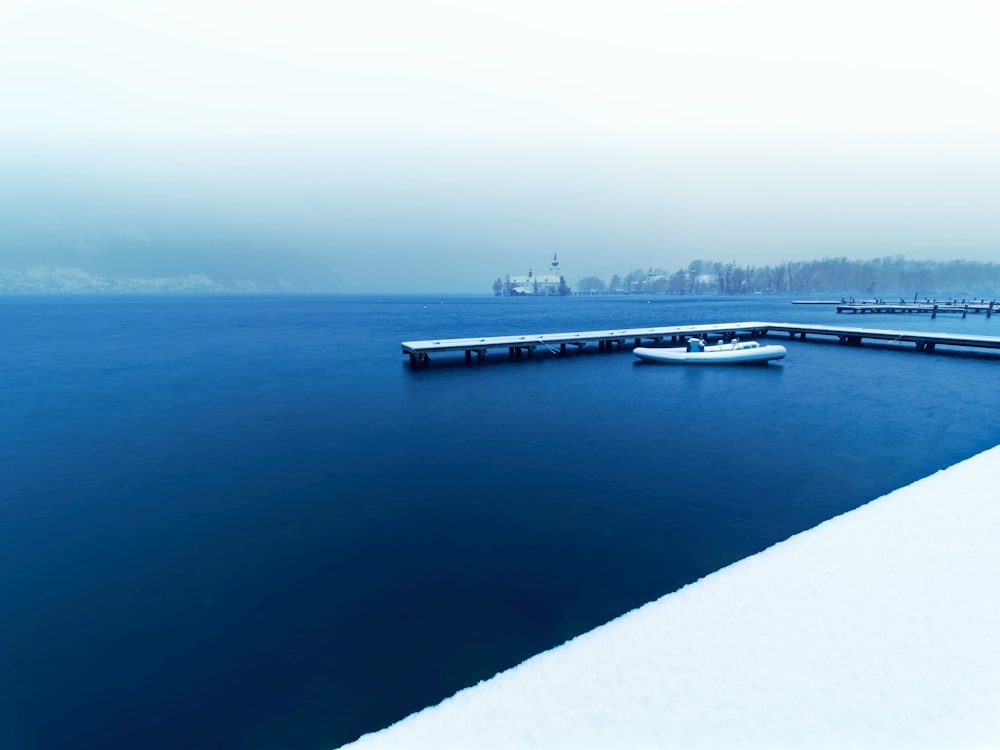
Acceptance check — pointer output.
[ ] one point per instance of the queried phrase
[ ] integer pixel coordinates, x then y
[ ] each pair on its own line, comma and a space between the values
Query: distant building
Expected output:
548, 284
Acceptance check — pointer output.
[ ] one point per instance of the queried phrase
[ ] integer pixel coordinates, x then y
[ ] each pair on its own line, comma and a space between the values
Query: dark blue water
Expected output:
246, 523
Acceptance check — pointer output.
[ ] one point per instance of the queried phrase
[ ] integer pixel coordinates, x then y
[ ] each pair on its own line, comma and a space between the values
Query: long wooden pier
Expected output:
922, 340
557, 343
523, 346
962, 307
933, 308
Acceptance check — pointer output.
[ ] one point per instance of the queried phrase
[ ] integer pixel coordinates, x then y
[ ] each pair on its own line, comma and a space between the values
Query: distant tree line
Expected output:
893, 275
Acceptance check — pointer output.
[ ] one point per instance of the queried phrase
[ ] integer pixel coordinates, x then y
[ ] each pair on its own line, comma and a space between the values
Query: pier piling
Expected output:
522, 347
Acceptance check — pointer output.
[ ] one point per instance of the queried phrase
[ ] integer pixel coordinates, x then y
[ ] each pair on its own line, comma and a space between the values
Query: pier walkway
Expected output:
519, 346
962, 307
933, 308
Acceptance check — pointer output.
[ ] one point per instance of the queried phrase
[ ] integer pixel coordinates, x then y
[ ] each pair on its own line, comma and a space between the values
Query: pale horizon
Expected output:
387, 148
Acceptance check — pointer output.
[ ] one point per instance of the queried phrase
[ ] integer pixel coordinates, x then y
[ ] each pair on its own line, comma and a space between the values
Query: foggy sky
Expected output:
434, 146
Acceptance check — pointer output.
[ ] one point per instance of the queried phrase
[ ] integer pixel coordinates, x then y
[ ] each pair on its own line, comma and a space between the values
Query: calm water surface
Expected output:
245, 522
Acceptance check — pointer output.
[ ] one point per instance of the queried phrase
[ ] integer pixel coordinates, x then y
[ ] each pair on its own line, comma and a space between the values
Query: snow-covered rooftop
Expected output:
876, 629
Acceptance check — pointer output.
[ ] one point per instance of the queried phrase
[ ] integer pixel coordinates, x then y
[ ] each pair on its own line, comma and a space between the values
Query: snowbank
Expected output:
879, 628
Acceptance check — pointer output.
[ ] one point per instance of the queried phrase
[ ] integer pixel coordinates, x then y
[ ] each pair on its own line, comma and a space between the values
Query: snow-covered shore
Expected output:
876, 629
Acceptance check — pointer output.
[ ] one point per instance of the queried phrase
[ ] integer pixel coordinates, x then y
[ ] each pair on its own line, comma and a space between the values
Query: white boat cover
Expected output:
734, 352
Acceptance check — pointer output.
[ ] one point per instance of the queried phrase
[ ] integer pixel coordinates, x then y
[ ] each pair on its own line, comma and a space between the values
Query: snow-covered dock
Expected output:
933, 308
519, 345
876, 629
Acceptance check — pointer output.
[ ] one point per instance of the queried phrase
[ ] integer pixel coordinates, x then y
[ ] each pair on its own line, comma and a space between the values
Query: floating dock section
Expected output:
933, 308
924, 341
521, 346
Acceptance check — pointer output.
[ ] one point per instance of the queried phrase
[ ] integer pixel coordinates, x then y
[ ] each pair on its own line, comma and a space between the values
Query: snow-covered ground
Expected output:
877, 629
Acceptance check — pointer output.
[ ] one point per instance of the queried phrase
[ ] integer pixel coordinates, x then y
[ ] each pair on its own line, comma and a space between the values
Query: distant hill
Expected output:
70, 280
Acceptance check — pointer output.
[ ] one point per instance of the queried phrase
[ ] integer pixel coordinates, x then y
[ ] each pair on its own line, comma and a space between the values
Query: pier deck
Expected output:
918, 307
519, 346
922, 340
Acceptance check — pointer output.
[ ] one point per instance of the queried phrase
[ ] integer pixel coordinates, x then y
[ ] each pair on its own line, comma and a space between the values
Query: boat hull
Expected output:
746, 352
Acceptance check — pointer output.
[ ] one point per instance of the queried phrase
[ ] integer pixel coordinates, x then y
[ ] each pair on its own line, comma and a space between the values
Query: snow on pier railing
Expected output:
875, 629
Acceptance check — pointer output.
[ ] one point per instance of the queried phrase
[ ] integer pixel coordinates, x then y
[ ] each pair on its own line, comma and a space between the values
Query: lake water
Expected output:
245, 522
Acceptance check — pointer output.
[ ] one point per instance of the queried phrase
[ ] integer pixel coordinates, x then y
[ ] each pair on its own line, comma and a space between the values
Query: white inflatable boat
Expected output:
696, 352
